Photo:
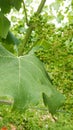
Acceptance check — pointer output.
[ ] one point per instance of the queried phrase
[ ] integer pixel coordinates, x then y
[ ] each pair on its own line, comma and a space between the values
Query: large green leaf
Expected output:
25, 80
6, 5
4, 26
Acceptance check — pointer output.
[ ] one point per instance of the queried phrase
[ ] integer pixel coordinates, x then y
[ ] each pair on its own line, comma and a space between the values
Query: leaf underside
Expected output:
25, 80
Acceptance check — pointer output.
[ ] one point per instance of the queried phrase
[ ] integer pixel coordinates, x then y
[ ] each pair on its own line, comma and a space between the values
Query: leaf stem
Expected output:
40, 7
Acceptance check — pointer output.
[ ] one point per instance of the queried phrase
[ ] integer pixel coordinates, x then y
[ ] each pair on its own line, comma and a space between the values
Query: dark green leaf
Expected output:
16, 4
5, 6
4, 26
11, 39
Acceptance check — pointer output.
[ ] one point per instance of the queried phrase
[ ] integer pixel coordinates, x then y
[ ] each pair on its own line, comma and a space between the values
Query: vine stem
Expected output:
25, 11
30, 27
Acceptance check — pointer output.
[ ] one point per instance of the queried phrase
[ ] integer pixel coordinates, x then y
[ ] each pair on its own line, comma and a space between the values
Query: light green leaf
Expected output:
4, 26
56, 4
60, 17
24, 79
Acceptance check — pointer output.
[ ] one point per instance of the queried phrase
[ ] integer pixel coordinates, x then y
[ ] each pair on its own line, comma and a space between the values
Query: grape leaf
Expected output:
25, 80
11, 39
54, 101
16, 4
4, 26
6, 5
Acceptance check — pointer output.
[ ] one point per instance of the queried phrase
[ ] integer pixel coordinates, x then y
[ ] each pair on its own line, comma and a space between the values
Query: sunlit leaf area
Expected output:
36, 65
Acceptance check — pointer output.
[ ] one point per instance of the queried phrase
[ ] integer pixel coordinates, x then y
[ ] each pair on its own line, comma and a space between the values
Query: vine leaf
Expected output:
6, 5
24, 79
17, 4
11, 39
54, 101
4, 26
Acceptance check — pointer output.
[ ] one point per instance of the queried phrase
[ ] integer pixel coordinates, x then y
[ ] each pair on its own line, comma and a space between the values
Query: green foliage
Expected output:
11, 39
54, 47
56, 5
58, 62
6, 5
53, 107
16, 4
4, 26
30, 80
60, 17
